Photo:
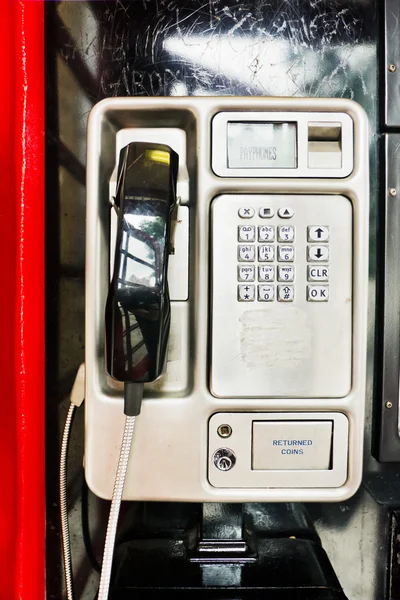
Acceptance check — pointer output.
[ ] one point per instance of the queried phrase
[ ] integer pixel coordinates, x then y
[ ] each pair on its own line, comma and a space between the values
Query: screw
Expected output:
389, 404
392, 191
224, 431
392, 68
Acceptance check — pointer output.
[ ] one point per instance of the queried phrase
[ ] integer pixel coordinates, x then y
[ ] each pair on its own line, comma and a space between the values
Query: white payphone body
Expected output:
264, 391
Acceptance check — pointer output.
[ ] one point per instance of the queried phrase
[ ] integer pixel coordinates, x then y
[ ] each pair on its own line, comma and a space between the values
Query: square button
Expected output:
266, 212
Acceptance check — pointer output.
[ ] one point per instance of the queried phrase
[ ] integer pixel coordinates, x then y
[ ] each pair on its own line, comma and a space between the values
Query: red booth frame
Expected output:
22, 360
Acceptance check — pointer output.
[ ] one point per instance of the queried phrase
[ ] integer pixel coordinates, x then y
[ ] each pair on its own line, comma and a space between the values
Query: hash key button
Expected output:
317, 293
317, 253
285, 293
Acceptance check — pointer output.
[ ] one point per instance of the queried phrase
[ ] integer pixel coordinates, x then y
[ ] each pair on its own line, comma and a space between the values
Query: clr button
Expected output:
318, 273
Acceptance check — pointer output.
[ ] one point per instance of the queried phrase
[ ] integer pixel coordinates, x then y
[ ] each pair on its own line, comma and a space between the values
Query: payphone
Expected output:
263, 390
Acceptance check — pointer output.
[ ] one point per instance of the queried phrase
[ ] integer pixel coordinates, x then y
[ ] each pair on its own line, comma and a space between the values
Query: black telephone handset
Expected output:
138, 304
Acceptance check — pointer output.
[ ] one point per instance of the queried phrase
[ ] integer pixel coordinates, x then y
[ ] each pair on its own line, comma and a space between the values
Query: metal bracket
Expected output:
387, 440
392, 63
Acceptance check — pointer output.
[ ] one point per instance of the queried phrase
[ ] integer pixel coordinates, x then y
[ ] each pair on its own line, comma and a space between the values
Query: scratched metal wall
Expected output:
170, 47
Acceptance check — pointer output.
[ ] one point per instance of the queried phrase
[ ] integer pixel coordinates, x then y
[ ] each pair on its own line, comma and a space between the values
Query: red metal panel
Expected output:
22, 500
7, 304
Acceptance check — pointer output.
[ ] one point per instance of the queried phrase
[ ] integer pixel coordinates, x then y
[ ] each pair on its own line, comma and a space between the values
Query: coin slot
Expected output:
324, 145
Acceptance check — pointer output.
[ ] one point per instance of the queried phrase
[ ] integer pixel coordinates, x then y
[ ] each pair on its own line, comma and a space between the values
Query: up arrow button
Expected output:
318, 233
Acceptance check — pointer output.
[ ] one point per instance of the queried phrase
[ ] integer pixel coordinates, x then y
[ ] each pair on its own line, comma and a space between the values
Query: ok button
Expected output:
317, 293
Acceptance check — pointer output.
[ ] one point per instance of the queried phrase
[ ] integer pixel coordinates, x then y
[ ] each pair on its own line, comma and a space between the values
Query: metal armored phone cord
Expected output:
77, 395
133, 393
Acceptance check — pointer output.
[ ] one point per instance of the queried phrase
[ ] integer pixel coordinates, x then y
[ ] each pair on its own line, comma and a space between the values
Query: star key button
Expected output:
246, 293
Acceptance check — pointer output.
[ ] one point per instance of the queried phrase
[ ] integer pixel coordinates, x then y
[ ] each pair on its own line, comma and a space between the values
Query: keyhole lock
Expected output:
224, 459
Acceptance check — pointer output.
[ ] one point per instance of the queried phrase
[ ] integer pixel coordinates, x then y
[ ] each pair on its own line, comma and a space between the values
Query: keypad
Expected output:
267, 270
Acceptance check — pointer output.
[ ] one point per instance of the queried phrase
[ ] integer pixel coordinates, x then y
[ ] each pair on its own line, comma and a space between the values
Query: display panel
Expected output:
261, 145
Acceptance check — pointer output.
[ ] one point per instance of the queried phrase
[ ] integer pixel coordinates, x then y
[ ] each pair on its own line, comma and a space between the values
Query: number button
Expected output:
246, 233
246, 212
317, 253
318, 233
266, 233
246, 273
286, 233
266, 273
266, 253
266, 293
285, 293
285, 253
317, 293
246, 293
246, 253
285, 273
